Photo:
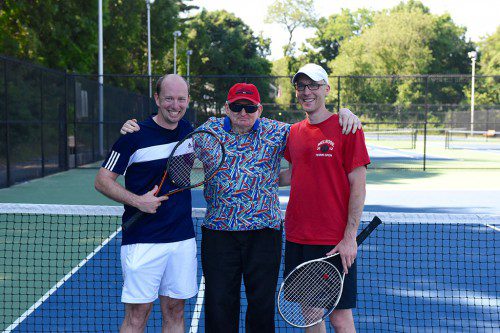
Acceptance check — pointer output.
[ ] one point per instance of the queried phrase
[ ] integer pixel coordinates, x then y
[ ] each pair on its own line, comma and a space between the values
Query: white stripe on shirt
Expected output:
113, 158
159, 152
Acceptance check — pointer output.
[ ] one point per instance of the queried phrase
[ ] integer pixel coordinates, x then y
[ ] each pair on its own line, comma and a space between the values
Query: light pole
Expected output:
188, 53
148, 5
101, 80
472, 55
177, 33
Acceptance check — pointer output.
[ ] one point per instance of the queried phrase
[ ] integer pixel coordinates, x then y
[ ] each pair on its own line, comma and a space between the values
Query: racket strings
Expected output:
209, 152
309, 292
200, 160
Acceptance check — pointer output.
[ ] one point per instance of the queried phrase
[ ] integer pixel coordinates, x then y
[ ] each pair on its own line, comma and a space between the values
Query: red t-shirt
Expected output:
321, 157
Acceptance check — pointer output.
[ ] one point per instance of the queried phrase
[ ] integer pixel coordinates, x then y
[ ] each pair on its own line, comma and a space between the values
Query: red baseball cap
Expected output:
243, 91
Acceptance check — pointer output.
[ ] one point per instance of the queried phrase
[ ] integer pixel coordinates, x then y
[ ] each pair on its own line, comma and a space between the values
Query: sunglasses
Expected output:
249, 108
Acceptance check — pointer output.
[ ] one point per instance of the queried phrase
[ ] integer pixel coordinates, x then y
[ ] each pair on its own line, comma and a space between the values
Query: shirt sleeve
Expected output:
355, 152
119, 156
208, 125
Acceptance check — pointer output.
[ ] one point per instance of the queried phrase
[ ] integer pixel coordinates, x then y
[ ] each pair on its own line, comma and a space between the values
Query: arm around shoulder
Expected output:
348, 121
285, 177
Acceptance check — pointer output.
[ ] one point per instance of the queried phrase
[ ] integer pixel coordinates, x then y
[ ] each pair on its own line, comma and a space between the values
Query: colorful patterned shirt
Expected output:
243, 195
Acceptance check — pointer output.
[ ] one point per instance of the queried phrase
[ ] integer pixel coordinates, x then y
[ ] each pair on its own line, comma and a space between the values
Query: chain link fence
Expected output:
49, 120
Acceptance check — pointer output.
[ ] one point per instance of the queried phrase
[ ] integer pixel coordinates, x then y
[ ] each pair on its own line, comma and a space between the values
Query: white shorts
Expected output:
167, 269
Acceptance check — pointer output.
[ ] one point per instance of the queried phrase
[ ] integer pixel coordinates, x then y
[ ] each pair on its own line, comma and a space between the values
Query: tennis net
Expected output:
60, 272
404, 138
479, 140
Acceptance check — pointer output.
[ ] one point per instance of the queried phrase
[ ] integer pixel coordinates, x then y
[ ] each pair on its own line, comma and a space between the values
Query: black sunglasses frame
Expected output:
249, 108
304, 86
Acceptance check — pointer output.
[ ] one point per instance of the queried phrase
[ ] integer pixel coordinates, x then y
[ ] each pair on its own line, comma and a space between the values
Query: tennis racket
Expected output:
312, 290
193, 161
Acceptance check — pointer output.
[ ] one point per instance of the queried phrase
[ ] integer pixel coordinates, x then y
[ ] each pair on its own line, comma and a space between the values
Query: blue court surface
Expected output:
417, 273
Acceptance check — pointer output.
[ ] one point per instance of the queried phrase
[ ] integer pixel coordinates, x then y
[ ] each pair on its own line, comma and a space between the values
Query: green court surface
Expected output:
42, 251
436, 157
76, 187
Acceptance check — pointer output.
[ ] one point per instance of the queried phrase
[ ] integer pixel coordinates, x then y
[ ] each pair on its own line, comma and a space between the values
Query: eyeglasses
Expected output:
311, 86
249, 108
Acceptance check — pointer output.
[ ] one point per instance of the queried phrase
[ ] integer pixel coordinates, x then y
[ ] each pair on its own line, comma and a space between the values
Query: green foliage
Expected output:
292, 14
333, 31
286, 91
396, 44
404, 40
449, 47
224, 44
57, 34
126, 39
488, 88
63, 34
490, 54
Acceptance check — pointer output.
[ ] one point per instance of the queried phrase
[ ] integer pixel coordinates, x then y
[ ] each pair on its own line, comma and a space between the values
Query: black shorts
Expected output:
296, 254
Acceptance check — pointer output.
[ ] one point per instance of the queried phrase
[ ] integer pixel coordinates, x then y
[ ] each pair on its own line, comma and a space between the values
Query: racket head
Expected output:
195, 160
310, 292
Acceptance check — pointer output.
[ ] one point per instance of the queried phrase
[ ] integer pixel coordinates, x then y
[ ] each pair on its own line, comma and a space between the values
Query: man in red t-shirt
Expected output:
327, 175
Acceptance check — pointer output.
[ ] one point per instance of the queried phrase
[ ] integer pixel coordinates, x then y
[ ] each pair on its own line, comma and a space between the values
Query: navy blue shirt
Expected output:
142, 157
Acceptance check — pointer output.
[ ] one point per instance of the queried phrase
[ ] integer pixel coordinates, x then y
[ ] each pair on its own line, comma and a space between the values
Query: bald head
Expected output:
166, 80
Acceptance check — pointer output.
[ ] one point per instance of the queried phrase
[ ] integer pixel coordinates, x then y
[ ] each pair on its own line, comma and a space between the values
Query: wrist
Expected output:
134, 200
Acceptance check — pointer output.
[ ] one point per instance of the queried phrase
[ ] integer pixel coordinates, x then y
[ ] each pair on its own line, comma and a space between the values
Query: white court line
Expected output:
198, 307
59, 283
493, 227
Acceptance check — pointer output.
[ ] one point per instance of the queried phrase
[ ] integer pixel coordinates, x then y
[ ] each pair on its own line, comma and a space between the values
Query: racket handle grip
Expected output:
368, 230
127, 224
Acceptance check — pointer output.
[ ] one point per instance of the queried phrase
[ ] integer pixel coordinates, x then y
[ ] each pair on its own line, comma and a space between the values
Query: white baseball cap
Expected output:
315, 72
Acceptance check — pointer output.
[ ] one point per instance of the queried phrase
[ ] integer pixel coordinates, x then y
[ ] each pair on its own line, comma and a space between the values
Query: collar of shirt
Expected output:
227, 124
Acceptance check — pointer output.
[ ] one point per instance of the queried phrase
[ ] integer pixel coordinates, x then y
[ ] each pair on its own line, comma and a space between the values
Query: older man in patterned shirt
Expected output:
242, 233
242, 228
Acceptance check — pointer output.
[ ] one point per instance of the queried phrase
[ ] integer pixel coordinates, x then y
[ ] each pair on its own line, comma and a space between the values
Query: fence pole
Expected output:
425, 119
63, 127
75, 124
42, 149
338, 93
7, 143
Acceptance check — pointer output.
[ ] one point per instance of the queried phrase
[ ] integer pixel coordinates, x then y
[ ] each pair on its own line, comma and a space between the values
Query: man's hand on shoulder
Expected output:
130, 126
349, 121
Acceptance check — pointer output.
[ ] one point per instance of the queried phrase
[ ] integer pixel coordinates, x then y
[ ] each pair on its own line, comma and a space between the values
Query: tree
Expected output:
404, 40
488, 89
223, 44
333, 31
292, 14
449, 47
56, 34
63, 34
125, 36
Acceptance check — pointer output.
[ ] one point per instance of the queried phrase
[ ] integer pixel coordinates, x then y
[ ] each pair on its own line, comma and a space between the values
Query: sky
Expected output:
480, 17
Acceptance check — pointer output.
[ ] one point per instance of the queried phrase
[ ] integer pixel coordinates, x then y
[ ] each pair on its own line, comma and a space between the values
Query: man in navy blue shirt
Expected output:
158, 255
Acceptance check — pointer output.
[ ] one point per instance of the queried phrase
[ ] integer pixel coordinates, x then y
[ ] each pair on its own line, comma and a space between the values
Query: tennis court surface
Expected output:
60, 272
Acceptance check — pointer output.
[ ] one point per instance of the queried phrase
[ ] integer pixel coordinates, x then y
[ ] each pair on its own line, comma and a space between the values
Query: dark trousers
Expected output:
226, 257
